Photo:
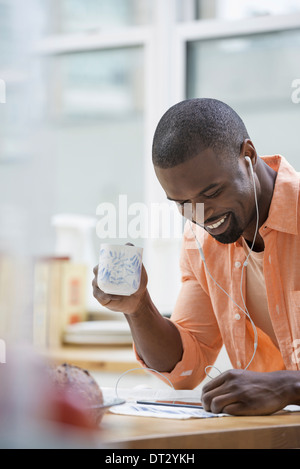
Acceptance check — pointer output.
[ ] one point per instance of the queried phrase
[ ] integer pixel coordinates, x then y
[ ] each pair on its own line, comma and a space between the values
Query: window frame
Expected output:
222, 29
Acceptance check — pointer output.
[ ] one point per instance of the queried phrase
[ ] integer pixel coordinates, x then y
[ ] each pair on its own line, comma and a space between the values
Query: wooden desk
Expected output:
281, 430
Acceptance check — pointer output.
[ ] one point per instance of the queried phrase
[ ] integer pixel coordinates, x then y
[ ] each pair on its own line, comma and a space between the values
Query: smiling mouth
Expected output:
216, 225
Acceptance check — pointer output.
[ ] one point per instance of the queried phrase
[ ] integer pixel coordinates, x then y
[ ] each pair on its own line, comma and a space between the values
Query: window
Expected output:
254, 74
96, 86
238, 9
77, 16
97, 116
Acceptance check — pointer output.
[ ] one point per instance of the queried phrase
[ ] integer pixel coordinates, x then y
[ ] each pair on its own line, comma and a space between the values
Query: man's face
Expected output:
225, 190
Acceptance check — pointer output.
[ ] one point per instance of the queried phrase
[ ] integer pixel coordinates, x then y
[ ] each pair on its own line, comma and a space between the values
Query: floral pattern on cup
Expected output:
119, 270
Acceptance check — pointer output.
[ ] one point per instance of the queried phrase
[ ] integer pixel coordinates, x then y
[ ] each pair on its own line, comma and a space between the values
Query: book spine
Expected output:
59, 299
67, 300
40, 303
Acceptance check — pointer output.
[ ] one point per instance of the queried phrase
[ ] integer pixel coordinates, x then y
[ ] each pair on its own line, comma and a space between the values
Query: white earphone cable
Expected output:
245, 310
141, 369
244, 265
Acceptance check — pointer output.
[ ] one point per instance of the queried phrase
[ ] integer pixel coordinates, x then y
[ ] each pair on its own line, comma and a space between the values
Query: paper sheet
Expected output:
132, 408
292, 408
143, 410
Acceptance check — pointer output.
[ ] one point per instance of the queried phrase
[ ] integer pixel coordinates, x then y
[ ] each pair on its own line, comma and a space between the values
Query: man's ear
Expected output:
248, 150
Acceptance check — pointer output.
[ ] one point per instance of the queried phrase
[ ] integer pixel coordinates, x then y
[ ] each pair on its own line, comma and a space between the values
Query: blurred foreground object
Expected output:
34, 413
79, 386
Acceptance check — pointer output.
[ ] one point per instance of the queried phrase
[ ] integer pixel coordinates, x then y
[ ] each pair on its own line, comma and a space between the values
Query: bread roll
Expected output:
79, 383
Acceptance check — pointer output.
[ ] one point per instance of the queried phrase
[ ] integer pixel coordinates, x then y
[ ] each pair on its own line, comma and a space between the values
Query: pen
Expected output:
170, 404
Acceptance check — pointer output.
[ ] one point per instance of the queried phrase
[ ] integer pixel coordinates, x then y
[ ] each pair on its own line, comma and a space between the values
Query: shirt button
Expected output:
237, 316
239, 365
269, 259
277, 309
237, 264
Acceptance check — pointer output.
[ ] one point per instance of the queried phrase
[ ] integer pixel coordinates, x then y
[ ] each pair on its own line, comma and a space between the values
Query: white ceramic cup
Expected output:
119, 269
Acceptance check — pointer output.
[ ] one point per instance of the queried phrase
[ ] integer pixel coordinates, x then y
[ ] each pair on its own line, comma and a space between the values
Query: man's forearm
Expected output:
156, 339
293, 380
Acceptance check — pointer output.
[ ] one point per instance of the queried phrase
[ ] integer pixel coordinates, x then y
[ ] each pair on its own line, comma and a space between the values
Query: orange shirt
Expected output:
206, 318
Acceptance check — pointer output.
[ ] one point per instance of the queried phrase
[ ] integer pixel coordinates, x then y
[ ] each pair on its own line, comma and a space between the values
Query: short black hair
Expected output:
194, 125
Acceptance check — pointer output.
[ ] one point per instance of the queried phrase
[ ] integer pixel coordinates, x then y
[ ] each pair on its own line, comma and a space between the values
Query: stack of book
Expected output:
59, 299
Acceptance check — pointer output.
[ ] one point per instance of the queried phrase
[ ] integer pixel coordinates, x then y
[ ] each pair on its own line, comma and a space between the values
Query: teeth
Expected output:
215, 225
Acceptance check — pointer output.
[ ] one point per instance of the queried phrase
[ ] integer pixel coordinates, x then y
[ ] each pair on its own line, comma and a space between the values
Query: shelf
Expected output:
116, 359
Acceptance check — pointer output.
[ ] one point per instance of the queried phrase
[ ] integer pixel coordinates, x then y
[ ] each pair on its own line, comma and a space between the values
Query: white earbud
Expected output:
250, 163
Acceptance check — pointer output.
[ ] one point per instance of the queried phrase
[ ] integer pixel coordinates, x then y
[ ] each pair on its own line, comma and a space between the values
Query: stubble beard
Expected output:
233, 232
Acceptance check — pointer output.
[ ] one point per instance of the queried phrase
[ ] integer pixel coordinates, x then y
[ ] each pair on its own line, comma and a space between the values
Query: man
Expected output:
202, 154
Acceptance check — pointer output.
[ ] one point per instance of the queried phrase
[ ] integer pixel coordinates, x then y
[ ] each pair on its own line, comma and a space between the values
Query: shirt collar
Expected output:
284, 204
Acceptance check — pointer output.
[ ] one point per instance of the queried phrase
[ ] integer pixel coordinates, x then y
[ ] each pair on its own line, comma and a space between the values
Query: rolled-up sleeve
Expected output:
200, 335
